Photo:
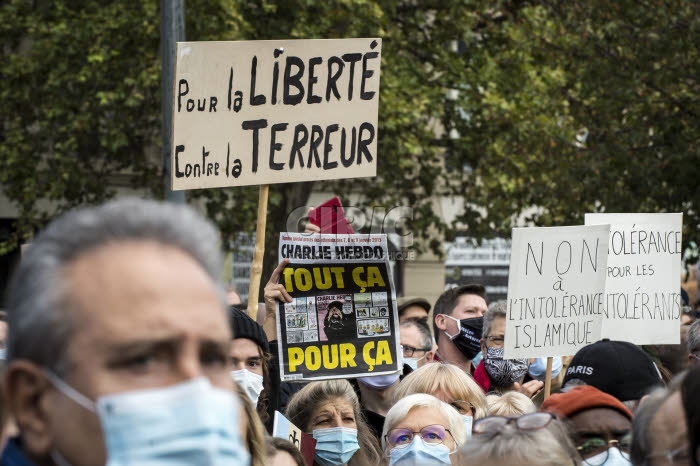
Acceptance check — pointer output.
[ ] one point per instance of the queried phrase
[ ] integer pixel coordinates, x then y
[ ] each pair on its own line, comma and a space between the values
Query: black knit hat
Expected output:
243, 326
617, 368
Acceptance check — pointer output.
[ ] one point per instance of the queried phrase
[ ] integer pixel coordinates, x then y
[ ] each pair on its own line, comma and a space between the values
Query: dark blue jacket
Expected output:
12, 454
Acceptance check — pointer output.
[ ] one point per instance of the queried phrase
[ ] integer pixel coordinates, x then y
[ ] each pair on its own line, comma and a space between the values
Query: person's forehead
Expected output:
498, 326
143, 288
281, 458
244, 348
409, 335
334, 406
419, 417
470, 301
600, 420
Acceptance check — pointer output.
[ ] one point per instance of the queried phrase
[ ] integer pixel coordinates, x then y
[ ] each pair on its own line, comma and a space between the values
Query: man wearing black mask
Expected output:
458, 318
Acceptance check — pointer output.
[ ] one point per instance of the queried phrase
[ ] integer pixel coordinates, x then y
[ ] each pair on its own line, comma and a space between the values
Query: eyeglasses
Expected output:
496, 341
677, 456
594, 446
463, 407
409, 350
532, 421
430, 435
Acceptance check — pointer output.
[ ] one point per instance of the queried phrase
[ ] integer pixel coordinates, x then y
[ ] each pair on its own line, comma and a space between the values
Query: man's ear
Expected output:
430, 356
440, 322
483, 346
25, 389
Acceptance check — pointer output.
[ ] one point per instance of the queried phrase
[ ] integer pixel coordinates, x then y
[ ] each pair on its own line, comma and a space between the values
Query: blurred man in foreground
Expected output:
118, 346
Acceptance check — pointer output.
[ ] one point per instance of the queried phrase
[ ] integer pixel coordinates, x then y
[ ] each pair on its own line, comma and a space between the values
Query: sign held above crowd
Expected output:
642, 301
343, 321
264, 112
556, 290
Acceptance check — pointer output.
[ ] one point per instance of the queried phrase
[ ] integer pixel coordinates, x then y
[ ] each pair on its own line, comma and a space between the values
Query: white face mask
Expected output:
252, 384
615, 458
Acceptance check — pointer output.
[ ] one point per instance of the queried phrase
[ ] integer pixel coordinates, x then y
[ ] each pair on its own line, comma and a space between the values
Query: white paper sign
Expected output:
263, 112
556, 290
643, 301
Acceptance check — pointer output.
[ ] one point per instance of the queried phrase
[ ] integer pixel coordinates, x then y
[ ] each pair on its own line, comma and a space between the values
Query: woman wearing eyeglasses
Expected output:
422, 430
536, 439
450, 384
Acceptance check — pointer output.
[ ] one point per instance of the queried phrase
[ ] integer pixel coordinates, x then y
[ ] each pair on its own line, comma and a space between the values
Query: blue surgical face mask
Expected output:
538, 368
188, 423
418, 453
477, 359
614, 458
380, 382
413, 362
335, 446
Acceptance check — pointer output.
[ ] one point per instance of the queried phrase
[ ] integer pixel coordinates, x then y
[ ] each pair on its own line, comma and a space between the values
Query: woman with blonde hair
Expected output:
449, 384
254, 434
509, 404
330, 411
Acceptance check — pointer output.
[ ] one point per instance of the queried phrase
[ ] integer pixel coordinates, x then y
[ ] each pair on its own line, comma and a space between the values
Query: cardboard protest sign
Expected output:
556, 290
304, 442
343, 321
643, 301
264, 112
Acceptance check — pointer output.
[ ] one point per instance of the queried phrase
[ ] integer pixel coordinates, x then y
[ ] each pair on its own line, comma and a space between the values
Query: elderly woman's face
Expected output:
418, 418
337, 412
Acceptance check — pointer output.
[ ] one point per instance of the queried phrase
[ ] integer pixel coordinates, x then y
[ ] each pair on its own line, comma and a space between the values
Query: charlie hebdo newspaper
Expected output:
343, 320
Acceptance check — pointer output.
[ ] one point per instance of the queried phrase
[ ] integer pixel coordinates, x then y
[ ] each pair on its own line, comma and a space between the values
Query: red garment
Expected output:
481, 377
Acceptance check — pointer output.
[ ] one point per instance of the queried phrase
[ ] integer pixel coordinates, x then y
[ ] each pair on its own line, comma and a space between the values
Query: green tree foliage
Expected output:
577, 107
529, 110
80, 93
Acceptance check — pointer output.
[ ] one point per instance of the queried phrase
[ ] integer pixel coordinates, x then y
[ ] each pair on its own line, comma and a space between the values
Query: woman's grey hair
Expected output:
303, 405
496, 309
420, 400
549, 446
39, 298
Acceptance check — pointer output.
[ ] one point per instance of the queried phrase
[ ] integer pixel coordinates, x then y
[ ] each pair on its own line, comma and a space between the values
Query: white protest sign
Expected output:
264, 112
556, 290
643, 301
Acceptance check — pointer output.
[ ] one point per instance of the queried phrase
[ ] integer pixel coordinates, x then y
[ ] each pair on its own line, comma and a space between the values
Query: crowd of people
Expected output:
122, 349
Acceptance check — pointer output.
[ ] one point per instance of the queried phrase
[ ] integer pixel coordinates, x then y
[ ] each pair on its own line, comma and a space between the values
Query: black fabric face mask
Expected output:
468, 340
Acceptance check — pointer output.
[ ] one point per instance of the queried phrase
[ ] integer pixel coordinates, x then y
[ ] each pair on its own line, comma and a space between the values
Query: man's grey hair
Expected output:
642, 440
694, 337
426, 338
549, 446
496, 309
38, 301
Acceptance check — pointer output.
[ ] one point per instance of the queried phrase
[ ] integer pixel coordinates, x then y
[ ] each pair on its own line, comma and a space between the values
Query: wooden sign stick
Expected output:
259, 253
548, 379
